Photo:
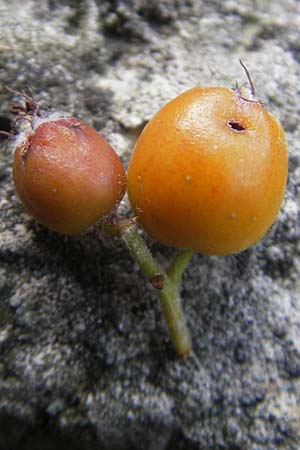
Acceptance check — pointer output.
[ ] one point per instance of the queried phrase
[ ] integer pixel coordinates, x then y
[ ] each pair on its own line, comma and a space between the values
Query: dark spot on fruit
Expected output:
235, 126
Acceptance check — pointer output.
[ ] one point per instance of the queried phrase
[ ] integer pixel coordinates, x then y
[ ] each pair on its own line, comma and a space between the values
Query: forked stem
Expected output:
166, 286
179, 264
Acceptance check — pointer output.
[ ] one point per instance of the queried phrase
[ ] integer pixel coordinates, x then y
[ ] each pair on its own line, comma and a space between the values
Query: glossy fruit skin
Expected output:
67, 176
209, 172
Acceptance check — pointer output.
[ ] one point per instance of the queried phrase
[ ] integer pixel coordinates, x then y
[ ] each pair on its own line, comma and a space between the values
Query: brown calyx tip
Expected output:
184, 356
22, 112
30, 106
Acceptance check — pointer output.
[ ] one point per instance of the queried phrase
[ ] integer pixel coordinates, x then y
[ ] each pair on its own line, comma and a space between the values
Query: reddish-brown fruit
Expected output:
67, 176
209, 172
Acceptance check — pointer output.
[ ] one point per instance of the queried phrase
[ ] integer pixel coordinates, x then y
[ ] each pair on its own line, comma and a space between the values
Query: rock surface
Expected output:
85, 359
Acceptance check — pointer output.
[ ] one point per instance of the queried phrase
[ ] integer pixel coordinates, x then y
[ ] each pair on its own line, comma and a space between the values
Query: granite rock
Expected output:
85, 359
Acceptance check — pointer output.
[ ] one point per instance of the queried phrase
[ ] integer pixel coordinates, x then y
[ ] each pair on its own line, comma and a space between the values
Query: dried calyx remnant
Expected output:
30, 107
27, 111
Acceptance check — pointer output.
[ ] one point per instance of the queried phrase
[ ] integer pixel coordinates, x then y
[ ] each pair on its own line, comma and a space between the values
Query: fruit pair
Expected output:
208, 172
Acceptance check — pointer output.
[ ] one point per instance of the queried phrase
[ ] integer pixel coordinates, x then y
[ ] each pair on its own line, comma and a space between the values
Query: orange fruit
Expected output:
209, 172
67, 176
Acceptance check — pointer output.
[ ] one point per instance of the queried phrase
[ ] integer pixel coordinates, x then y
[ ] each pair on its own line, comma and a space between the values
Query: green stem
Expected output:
139, 251
166, 287
179, 264
175, 319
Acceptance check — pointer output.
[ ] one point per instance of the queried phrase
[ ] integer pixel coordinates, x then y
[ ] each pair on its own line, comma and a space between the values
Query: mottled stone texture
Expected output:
85, 359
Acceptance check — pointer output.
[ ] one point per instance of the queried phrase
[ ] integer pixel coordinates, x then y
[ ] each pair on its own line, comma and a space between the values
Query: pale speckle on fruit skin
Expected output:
188, 178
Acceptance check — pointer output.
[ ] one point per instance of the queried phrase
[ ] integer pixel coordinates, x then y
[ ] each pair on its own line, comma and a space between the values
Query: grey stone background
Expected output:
85, 362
